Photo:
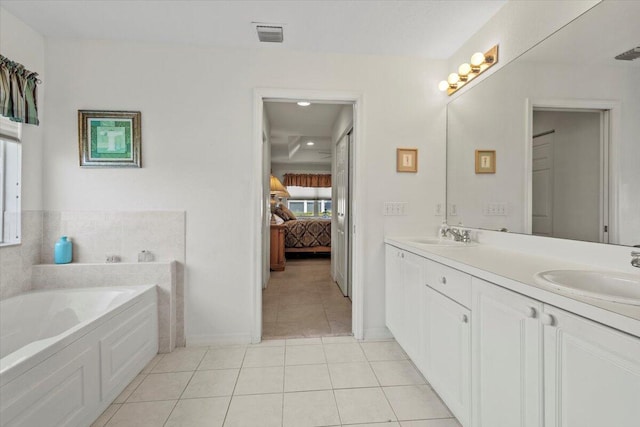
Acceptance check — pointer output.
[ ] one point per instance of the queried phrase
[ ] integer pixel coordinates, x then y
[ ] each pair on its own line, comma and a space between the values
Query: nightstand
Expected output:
277, 259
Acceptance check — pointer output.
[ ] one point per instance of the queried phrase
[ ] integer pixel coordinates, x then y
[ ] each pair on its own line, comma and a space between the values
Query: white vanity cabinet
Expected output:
591, 373
507, 358
446, 351
404, 278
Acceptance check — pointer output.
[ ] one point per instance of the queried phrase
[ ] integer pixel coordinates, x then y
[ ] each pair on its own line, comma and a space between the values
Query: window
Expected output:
309, 201
10, 165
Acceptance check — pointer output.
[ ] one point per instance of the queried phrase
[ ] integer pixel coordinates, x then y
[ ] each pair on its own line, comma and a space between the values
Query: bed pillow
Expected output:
278, 220
290, 214
282, 214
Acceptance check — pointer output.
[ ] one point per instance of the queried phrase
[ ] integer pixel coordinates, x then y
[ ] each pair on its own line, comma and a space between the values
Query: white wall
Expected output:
197, 118
22, 44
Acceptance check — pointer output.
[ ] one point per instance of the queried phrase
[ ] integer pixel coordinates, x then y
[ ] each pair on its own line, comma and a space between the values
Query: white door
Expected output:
542, 194
446, 350
592, 373
342, 214
506, 358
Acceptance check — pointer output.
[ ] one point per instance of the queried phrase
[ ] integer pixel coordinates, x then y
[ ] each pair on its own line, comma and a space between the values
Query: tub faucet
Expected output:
635, 259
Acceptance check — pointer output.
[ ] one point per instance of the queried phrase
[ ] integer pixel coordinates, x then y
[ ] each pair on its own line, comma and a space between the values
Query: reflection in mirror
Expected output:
10, 167
564, 120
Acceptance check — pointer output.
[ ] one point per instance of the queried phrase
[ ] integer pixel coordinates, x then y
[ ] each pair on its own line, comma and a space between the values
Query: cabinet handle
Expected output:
531, 312
548, 319
443, 280
402, 255
465, 318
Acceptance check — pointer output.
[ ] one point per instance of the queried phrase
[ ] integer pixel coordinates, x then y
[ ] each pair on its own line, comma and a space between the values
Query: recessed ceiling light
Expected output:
304, 103
310, 143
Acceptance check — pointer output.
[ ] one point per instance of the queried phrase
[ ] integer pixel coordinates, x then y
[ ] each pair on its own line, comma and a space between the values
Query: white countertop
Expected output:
515, 271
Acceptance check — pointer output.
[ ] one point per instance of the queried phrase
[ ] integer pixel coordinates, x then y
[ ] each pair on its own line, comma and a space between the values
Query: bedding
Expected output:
307, 233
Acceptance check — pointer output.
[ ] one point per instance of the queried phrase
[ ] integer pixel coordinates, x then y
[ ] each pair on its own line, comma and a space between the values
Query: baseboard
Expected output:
373, 334
204, 340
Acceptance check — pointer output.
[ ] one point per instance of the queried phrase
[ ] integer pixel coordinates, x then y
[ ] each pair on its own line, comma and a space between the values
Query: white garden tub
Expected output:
66, 354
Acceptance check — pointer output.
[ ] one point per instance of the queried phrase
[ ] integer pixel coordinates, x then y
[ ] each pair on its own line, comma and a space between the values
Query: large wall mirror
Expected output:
564, 121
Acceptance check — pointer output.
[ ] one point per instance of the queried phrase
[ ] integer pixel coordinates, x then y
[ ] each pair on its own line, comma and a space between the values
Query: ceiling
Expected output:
292, 126
431, 29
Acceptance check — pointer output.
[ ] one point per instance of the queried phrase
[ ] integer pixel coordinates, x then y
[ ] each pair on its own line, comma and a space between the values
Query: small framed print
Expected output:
485, 161
407, 160
109, 138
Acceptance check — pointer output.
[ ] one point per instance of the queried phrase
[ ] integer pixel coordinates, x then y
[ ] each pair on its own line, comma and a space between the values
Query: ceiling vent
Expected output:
630, 55
270, 33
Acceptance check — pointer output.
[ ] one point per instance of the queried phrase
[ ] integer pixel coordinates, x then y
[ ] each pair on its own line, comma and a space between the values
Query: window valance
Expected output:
18, 92
307, 180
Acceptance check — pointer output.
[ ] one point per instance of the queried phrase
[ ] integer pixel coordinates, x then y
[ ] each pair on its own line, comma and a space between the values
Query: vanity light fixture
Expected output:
304, 103
479, 63
310, 143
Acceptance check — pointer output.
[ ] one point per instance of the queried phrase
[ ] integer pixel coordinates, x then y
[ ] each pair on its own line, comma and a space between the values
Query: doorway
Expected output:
569, 180
314, 273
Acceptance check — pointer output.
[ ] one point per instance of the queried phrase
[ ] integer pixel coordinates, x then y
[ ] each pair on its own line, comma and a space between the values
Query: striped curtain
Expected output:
18, 92
307, 180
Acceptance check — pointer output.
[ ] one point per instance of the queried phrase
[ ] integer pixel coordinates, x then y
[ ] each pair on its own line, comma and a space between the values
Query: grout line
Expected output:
226, 414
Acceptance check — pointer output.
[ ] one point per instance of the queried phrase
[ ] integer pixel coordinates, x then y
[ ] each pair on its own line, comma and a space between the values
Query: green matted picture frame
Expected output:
109, 138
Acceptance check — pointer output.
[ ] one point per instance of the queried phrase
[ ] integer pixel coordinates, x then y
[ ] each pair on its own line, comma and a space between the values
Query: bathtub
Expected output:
66, 354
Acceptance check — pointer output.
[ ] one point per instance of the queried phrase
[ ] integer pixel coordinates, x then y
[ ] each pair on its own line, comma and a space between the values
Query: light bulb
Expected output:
310, 143
477, 59
304, 103
443, 85
453, 78
464, 69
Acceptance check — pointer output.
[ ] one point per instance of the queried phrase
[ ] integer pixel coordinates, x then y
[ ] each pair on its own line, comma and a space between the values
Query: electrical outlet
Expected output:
453, 210
438, 209
395, 208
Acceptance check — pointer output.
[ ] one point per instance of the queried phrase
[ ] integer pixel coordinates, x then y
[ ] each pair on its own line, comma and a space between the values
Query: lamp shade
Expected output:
277, 189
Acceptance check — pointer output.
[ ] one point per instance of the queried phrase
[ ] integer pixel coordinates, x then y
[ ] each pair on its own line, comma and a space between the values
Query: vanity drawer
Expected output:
448, 281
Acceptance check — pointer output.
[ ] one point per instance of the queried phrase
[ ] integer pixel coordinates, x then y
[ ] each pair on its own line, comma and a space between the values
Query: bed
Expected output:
307, 235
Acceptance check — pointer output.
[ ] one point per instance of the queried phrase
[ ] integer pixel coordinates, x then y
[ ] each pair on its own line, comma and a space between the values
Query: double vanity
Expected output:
513, 339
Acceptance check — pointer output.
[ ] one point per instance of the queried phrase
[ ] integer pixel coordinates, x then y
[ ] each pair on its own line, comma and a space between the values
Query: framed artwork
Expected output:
485, 161
407, 160
109, 138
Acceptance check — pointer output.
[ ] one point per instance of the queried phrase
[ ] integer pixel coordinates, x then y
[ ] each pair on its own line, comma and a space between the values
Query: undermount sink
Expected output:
434, 241
610, 286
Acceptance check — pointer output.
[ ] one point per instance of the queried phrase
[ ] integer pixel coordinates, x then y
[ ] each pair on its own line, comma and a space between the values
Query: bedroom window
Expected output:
310, 202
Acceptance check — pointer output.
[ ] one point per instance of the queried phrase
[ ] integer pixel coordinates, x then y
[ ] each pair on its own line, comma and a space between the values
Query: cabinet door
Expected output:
592, 373
393, 290
412, 280
447, 351
506, 358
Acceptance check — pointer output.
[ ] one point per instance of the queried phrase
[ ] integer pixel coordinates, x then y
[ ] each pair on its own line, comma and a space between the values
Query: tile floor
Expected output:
303, 301
308, 382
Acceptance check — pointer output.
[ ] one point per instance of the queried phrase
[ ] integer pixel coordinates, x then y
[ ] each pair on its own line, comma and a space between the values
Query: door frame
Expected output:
260, 231
609, 163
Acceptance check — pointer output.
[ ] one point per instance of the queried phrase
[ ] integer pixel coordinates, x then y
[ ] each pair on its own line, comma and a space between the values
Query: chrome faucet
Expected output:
459, 235
635, 259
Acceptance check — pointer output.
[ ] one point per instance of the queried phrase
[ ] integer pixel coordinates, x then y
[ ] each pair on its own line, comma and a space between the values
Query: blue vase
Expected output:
63, 252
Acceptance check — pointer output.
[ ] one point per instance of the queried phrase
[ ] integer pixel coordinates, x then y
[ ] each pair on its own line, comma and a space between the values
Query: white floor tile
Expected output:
259, 410
269, 343
303, 341
310, 409
180, 359
304, 355
416, 402
447, 422
343, 353
383, 350
129, 389
209, 412
142, 414
222, 358
390, 424
306, 378
264, 356
167, 386
152, 364
339, 340
397, 372
363, 405
352, 375
102, 420
219, 382
260, 380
